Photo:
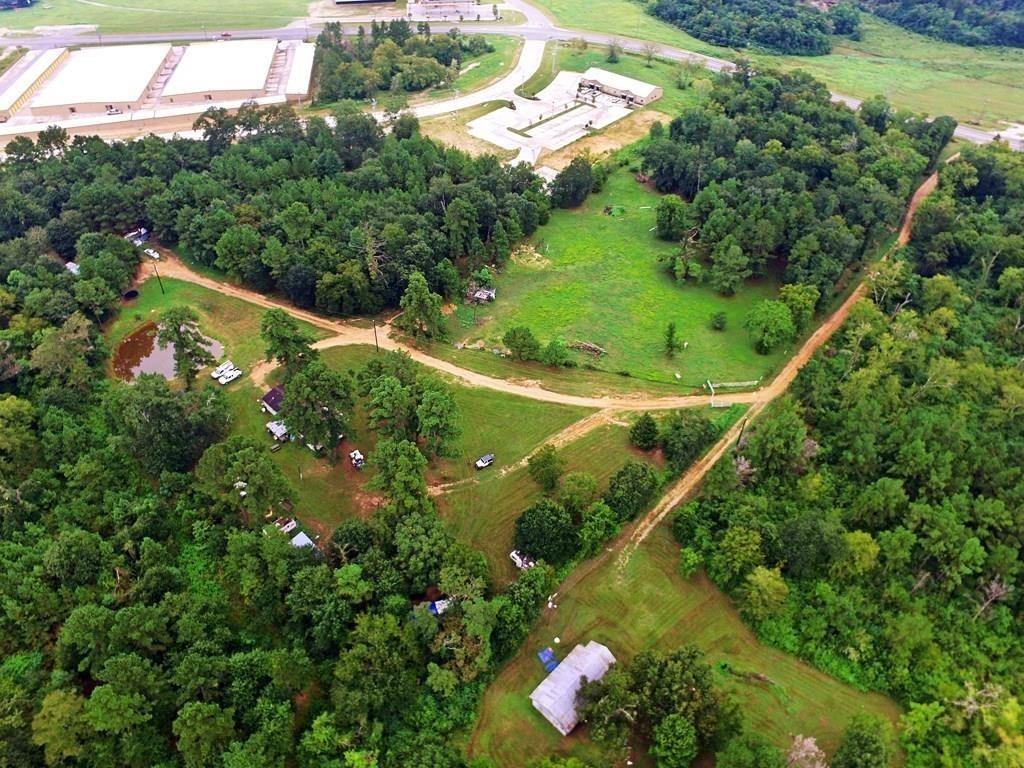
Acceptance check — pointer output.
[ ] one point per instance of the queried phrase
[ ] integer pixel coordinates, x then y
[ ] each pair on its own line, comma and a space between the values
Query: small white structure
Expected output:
221, 71
555, 697
301, 541
278, 430
97, 80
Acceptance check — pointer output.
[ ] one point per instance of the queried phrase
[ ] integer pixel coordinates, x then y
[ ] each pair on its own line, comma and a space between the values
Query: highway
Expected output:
537, 27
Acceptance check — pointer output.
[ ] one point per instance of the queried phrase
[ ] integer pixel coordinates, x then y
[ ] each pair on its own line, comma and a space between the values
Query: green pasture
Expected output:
130, 16
596, 277
647, 604
915, 72
482, 514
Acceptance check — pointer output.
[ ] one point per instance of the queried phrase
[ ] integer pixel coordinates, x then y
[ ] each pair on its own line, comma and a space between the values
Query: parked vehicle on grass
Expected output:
484, 461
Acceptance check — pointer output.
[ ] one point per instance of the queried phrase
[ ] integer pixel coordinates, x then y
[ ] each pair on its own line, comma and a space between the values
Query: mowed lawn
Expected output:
596, 277
155, 16
482, 514
647, 604
481, 70
916, 72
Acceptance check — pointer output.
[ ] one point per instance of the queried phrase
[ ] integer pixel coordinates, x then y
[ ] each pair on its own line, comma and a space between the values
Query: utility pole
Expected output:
161, 282
375, 344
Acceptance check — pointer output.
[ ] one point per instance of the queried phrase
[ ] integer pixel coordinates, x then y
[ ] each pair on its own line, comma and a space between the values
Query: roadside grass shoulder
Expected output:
597, 277
481, 70
649, 605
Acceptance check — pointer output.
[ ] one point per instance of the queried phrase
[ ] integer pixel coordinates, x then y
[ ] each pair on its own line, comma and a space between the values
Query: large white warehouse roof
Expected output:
29, 76
301, 71
555, 697
241, 65
115, 74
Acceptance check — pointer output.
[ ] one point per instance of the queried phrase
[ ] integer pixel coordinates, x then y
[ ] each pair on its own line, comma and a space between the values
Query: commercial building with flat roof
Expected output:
612, 83
221, 71
300, 73
95, 80
21, 87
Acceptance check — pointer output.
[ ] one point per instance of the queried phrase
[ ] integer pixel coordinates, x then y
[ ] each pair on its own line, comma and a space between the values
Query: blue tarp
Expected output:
547, 658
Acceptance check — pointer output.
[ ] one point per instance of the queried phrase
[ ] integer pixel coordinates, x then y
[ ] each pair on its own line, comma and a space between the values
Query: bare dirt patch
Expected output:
615, 136
527, 256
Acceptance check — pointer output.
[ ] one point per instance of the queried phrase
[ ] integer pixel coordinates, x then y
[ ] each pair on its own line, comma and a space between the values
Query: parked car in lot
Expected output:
114, 111
152, 253
484, 461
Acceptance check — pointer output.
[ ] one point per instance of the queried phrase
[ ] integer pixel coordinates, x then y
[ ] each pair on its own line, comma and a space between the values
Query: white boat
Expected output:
221, 369
230, 376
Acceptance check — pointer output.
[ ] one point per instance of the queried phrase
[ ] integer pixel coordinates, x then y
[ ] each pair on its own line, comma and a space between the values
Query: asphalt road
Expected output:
537, 27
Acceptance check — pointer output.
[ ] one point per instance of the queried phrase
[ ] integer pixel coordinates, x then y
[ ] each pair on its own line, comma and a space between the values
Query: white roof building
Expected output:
555, 697
29, 80
301, 541
110, 76
301, 71
620, 85
222, 70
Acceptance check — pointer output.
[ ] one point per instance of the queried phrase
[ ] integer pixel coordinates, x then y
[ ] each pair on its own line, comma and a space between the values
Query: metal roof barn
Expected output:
555, 697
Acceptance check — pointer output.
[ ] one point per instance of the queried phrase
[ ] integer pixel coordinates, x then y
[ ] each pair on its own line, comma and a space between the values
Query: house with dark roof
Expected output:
271, 401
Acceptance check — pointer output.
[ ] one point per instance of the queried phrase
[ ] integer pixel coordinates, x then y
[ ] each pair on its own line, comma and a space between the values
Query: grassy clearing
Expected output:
483, 514
482, 70
157, 16
648, 605
916, 72
597, 278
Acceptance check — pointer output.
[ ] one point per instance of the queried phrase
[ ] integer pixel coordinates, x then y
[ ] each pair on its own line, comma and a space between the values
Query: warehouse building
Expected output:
101, 80
222, 71
300, 71
24, 83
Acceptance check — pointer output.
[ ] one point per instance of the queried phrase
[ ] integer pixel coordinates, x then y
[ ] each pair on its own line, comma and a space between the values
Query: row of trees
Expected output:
780, 26
775, 173
980, 22
872, 522
393, 57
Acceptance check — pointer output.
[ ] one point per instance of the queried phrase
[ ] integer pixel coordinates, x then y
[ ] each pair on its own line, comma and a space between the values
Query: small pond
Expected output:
139, 353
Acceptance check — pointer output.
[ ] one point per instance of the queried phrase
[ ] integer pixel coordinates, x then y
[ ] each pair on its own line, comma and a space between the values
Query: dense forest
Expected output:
872, 521
335, 217
780, 26
776, 174
979, 22
392, 58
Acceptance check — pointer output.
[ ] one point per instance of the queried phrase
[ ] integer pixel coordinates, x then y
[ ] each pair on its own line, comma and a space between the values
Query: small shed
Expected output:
271, 401
278, 430
301, 541
555, 697
484, 294
73, 268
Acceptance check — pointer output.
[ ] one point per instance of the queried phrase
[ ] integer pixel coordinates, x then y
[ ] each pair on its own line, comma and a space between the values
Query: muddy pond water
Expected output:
140, 353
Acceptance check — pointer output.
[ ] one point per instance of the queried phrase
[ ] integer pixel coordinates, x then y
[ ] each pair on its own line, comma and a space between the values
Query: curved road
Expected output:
538, 28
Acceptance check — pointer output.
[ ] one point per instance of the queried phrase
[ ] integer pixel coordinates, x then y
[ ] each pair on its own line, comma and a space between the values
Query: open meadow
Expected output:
980, 84
647, 604
594, 275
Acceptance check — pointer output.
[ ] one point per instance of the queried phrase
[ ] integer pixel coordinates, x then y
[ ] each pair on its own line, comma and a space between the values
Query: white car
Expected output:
114, 111
230, 376
484, 461
152, 253
221, 369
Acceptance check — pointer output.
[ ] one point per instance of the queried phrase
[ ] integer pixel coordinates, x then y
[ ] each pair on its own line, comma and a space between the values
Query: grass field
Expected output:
648, 605
916, 72
154, 16
481, 70
483, 514
597, 278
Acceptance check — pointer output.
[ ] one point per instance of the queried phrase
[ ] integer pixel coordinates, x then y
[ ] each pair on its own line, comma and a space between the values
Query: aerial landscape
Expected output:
525, 384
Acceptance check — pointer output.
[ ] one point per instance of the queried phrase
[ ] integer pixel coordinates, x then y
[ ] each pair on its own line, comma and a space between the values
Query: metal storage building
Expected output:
555, 697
